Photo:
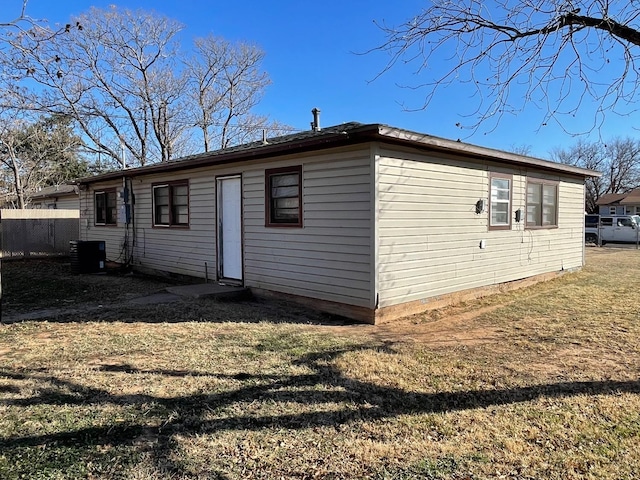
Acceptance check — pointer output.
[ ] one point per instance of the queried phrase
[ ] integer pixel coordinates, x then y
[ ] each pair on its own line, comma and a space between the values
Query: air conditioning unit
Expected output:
88, 256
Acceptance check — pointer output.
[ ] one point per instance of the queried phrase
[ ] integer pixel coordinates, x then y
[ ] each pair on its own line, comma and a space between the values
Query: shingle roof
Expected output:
632, 197
343, 128
350, 133
56, 190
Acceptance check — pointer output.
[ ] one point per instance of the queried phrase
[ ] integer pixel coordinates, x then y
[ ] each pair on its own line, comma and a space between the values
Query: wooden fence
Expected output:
37, 232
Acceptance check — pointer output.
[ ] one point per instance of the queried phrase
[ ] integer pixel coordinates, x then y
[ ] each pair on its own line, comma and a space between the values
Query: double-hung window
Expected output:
171, 204
106, 207
500, 201
542, 204
283, 197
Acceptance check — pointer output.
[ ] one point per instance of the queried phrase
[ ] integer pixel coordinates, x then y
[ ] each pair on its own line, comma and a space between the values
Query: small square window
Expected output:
283, 197
171, 204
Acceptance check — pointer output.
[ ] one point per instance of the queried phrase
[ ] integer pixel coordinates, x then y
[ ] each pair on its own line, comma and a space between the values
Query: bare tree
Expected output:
618, 160
21, 19
35, 155
20, 23
120, 76
23, 24
114, 74
562, 55
226, 81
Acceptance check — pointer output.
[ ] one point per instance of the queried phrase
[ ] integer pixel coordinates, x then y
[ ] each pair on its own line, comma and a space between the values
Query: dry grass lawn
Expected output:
539, 383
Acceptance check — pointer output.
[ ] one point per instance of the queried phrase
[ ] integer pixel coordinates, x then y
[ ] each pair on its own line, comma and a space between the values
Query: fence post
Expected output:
24, 238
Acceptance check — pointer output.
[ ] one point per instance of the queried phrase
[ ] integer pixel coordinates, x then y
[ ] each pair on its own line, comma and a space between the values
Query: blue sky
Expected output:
313, 59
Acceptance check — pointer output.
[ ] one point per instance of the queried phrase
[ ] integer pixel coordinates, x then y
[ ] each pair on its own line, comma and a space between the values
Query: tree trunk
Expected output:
15, 170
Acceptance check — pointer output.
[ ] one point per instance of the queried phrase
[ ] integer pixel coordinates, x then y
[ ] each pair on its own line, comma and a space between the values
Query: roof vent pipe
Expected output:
315, 125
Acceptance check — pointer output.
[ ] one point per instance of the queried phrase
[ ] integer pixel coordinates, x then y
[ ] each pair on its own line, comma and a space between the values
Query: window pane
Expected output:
180, 195
284, 197
286, 203
549, 194
161, 205
549, 201
548, 215
112, 211
500, 183
533, 193
284, 180
182, 200
279, 192
171, 205
500, 214
181, 214
500, 201
112, 215
534, 204
161, 195
533, 213
100, 207
542, 202
162, 215
111, 199
289, 215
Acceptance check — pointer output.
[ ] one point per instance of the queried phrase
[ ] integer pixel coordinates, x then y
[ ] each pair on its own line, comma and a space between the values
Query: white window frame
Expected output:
494, 201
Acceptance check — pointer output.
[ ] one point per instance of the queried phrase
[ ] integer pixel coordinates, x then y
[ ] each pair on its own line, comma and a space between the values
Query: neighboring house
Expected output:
620, 203
59, 197
366, 221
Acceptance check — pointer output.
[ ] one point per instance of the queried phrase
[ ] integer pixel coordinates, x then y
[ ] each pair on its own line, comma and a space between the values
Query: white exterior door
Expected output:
230, 228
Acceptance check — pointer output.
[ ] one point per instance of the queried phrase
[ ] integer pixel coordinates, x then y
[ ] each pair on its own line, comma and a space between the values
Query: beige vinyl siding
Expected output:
62, 202
176, 249
429, 233
113, 236
70, 202
330, 257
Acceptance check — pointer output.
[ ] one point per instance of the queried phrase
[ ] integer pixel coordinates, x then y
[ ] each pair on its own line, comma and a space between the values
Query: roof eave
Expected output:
360, 134
466, 149
208, 159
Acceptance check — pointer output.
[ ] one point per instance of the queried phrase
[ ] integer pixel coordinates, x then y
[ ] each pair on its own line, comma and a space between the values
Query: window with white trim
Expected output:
500, 201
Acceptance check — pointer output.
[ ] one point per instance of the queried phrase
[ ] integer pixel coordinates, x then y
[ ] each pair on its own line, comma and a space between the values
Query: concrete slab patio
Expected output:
210, 290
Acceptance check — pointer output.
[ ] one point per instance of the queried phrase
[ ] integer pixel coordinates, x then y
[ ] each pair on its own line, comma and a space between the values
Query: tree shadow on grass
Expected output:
251, 310
191, 414
47, 291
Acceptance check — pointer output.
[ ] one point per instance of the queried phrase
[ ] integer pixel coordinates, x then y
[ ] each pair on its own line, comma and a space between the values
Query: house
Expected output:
59, 197
620, 203
363, 220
